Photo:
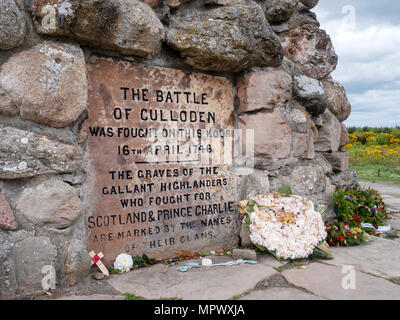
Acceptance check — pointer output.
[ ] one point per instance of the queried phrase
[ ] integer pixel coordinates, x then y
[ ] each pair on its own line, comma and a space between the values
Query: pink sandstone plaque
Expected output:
159, 168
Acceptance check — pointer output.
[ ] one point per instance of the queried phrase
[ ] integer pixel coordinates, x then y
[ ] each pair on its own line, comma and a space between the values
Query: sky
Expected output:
366, 37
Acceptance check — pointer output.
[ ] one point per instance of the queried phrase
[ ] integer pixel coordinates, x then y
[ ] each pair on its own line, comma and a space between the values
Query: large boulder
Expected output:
338, 160
342, 179
338, 103
254, 184
307, 179
12, 25
23, 270
307, 45
277, 11
225, 39
23, 257
303, 134
46, 84
51, 206
127, 26
77, 262
310, 93
329, 135
272, 133
282, 136
309, 3
26, 154
304, 180
263, 89
323, 163
302, 16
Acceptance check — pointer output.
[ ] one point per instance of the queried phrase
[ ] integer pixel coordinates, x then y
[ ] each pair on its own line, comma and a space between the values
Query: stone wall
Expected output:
273, 52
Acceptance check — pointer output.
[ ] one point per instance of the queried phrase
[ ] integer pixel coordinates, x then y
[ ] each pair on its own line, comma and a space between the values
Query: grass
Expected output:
376, 172
131, 296
112, 271
375, 156
237, 297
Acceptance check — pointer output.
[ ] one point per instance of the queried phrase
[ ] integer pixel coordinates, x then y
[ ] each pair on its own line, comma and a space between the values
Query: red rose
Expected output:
357, 218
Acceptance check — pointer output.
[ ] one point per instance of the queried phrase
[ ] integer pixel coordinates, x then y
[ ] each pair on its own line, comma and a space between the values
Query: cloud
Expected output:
369, 56
368, 12
375, 108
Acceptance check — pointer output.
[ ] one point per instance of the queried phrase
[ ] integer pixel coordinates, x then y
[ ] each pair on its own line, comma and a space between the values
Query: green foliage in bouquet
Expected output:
321, 252
341, 234
355, 205
143, 261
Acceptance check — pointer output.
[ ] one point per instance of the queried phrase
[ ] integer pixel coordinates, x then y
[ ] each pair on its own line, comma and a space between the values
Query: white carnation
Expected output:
288, 226
123, 262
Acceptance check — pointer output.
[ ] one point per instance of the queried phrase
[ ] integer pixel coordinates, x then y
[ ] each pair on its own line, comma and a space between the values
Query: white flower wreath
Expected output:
289, 227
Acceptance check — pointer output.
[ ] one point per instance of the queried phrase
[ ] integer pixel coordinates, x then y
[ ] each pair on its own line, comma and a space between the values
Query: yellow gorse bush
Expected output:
372, 148
369, 137
382, 151
392, 138
353, 137
363, 137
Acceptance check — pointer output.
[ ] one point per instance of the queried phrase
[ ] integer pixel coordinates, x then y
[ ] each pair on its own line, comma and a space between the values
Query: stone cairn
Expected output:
272, 50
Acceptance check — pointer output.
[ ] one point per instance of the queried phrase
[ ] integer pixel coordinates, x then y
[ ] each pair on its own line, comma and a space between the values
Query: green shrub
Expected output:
382, 139
396, 132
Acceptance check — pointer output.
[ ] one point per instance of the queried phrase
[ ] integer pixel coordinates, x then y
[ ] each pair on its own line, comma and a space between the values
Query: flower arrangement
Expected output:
125, 263
341, 234
187, 255
285, 225
354, 206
